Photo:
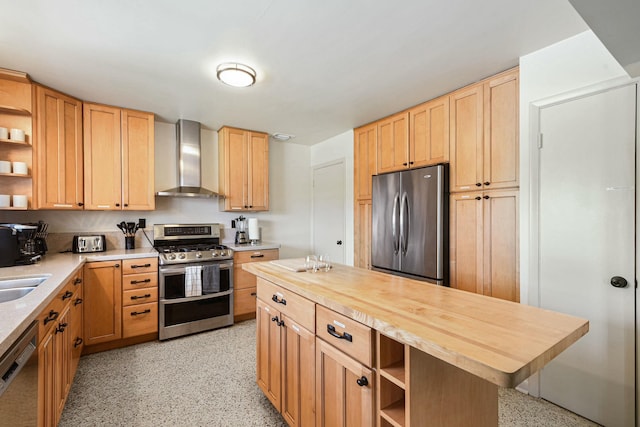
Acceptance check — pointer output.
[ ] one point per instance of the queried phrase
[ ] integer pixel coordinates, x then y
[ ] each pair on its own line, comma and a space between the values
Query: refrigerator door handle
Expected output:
404, 223
394, 224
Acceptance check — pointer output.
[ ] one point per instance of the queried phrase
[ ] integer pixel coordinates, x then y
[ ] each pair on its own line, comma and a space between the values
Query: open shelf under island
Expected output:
421, 354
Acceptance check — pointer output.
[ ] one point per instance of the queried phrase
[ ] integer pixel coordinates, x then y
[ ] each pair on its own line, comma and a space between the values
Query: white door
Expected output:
328, 211
586, 238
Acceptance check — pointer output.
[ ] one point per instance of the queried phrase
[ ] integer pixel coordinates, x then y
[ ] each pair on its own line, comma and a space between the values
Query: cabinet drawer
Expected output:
244, 301
240, 257
139, 319
139, 296
293, 305
49, 315
139, 265
357, 339
242, 279
137, 281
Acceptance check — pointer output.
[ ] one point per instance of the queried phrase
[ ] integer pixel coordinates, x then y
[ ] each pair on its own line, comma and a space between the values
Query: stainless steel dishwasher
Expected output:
19, 381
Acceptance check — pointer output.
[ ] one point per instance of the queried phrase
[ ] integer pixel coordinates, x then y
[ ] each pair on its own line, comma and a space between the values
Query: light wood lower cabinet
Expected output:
362, 238
139, 297
484, 243
244, 284
286, 354
103, 302
57, 350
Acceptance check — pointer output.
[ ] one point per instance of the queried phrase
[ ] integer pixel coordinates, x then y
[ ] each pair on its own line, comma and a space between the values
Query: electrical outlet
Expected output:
142, 223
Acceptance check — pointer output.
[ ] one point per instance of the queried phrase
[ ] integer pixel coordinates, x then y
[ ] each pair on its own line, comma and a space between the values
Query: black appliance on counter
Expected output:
20, 244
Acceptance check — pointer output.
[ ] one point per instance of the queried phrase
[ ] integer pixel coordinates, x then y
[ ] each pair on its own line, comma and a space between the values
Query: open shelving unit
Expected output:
392, 390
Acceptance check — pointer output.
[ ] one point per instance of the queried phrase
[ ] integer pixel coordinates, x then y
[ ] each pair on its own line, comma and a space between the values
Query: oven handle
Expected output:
181, 268
187, 299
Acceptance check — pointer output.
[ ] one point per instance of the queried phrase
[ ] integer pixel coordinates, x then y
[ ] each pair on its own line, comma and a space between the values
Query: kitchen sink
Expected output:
11, 294
23, 281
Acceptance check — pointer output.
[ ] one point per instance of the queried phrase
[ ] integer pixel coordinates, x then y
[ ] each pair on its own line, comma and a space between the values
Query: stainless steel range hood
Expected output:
189, 163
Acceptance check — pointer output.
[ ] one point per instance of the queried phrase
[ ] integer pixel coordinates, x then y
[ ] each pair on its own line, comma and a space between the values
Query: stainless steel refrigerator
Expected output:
410, 218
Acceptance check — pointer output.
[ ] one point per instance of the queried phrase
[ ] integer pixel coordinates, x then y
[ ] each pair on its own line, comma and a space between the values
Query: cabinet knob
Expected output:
80, 204
53, 315
118, 204
77, 342
478, 184
485, 197
126, 205
487, 183
362, 381
77, 281
478, 198
404, 164
117, 266
67, 295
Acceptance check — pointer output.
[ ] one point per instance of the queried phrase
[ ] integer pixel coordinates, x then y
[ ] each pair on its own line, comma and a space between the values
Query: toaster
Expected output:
83, 244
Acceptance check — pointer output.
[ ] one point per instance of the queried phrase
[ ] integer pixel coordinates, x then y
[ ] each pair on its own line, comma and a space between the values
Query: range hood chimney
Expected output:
189, 163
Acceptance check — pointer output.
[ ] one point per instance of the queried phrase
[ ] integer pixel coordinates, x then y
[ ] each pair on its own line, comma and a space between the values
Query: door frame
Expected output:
532, 385
347, 244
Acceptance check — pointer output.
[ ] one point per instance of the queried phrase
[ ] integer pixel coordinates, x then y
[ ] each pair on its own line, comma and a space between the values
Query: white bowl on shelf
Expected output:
17, 134
4, 133
5, 201
5, 166
20, 168
19, 201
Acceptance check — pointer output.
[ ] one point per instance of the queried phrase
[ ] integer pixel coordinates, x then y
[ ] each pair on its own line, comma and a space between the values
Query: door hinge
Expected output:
539, 141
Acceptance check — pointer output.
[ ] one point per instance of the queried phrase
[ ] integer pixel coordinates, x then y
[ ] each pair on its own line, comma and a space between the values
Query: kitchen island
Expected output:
439, 354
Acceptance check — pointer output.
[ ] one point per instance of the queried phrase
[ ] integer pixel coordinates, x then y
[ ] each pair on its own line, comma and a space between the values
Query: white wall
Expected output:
339, 147
571, 64
287, 221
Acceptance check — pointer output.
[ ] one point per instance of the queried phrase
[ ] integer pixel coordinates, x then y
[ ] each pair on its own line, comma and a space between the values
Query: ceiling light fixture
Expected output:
282, 136
236, 75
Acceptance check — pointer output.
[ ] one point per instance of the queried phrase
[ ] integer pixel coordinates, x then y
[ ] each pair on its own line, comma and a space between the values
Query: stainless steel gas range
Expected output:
195, 279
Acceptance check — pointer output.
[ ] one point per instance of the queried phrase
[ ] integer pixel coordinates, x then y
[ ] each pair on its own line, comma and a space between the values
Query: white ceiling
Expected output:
323, 66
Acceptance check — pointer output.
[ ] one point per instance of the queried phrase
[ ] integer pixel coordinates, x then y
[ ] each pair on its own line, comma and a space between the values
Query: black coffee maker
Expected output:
8, 246
18, 245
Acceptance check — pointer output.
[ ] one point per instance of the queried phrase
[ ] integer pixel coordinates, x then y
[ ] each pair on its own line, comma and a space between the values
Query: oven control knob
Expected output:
214, 253
171, 256
182, 256
198, 255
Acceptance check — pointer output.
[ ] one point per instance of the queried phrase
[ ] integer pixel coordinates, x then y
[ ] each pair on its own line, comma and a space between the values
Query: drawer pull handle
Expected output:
253, 294
282, 301
77, 281
278, 321
53, 315
67, 295
135, 282
78, 301
141, 266
135, 313
345, 336
134, 297
61, 327
362, 381
77, 342
257, 256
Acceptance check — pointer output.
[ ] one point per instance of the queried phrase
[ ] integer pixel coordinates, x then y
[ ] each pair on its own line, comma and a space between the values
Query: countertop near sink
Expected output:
17, 315
261, 246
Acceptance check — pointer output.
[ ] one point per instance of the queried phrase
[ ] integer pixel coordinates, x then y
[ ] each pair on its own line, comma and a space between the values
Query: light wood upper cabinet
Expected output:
393, 143
138, 154
118, 158
429, 133
243, 169
466, 139
58, 151
484, 134
365, 140
484, 243
501, 140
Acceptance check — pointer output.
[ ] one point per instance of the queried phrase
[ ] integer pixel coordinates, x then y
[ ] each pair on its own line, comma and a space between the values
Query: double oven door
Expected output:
181, 315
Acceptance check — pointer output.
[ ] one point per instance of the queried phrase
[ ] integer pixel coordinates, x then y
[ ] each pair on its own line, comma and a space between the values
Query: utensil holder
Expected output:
130, 242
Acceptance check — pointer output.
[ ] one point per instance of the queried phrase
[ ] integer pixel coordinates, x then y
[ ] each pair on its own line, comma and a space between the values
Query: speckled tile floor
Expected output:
208, 379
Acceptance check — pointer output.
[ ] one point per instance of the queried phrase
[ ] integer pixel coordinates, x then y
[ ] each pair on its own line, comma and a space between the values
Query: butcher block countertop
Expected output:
500, 341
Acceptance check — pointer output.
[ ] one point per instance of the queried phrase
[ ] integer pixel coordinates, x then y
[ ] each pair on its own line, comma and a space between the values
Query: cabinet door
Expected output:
258, 171
466, 242
46, 381
233, 173
102, 158
364, 140
393, 143
138, 173
500, 229
362, 238
298, 374
59, 153
62, 361
75, 337
340, 400
466, 139
429, 133
102, 302
501, 147
268, 351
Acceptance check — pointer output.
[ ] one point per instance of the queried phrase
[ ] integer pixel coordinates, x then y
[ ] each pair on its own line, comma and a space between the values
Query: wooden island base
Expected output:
391, 351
